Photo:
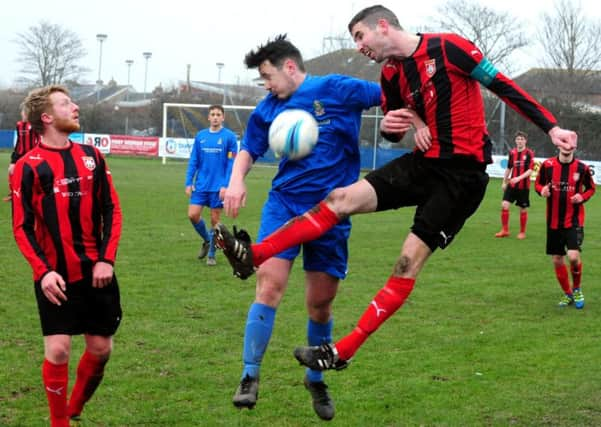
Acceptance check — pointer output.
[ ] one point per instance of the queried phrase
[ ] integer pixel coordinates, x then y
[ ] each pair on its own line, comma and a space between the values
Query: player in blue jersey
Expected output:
337, 103
209, 170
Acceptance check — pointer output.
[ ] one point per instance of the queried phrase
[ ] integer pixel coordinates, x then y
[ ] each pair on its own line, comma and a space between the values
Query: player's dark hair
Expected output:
371, 15
276, 51
37, 102
217, 107
520, 133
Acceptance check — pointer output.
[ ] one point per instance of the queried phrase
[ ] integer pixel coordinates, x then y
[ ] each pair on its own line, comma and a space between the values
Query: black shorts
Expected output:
88, 310
564, 238
521, 197
446, 193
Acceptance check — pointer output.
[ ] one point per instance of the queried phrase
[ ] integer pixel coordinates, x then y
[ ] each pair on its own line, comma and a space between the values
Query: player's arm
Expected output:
112, 219
588, 184
235, 195
395, 123
541, 186
192, 168
22, 183
525, 175
467, 58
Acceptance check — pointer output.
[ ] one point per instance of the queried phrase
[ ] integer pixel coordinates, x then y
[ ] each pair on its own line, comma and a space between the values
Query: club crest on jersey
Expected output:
576, 176
318, 108
89, 162
430, 65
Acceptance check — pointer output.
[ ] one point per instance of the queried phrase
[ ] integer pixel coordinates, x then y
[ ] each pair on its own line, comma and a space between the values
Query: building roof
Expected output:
344, 61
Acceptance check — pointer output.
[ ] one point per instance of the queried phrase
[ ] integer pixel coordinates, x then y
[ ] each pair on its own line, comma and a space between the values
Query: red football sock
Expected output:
576, 276
388, 300
561, 273
505, 219
89, 375
56, 379
300, 229
523, 221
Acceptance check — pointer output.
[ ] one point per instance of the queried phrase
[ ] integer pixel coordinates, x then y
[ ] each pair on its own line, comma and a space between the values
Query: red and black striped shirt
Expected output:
566, 179
519, 162
437, 82
27, 139
66, 212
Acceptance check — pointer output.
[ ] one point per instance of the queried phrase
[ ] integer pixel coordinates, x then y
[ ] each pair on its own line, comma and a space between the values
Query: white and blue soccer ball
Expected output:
293, 134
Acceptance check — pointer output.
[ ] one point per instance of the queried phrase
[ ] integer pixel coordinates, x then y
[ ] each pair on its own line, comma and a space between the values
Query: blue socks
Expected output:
317, 334
259, 326
211, 245
201, 230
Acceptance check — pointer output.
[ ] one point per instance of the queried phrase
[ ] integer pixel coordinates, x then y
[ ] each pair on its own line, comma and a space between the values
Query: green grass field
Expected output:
480, 341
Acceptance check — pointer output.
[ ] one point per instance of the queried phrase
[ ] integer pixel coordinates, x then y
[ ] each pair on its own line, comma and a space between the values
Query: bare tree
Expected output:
49, 54
570, 39
497, 34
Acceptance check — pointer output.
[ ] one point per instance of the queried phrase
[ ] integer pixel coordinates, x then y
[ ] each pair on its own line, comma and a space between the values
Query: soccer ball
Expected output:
293, 134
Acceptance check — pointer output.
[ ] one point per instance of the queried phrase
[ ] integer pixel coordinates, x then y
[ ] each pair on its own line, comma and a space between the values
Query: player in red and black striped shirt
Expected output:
67, 223
516, 184
430, 82
567, 183
27, 139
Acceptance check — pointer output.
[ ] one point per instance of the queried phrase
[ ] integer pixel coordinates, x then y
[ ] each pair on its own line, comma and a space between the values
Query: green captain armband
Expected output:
484, 72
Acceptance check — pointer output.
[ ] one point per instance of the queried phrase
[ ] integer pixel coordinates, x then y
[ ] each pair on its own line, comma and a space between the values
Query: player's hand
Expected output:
189, 190
11, 169
54, 287
576, 199
102, 274
234, 198
546, 191
563, 138
423, 138
513, 181
397, 121
504, 185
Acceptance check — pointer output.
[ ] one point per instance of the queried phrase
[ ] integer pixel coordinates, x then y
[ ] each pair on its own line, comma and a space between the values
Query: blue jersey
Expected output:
211, 160
337, 103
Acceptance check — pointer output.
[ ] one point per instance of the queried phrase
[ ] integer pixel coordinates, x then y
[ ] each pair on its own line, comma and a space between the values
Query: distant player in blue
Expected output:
337, 103
209, 170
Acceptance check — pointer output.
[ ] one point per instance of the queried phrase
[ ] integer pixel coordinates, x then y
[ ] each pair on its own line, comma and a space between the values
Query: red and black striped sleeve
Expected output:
110, 209
28, 235
467, 57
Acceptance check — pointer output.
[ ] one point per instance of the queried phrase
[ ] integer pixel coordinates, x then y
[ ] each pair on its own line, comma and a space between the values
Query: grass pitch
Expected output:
479, 342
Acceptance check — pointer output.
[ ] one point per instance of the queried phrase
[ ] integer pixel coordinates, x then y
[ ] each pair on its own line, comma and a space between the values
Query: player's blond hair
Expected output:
38, 102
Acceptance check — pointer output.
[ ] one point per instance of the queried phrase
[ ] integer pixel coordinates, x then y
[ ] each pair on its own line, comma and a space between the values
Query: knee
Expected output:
193, 217
337, 201
57, 352
100, 348
269, 293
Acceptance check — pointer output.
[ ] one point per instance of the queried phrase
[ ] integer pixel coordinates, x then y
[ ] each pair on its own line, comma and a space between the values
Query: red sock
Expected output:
56, 379
505, 219
561, 273
89, 374
388, 300
300, 229
523, 221
576, 276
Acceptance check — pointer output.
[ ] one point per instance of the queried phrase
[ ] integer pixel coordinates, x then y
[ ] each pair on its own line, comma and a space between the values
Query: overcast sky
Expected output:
202, 33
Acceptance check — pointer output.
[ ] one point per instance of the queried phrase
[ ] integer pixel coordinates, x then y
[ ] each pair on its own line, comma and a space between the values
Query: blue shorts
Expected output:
328, 254
206, 198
